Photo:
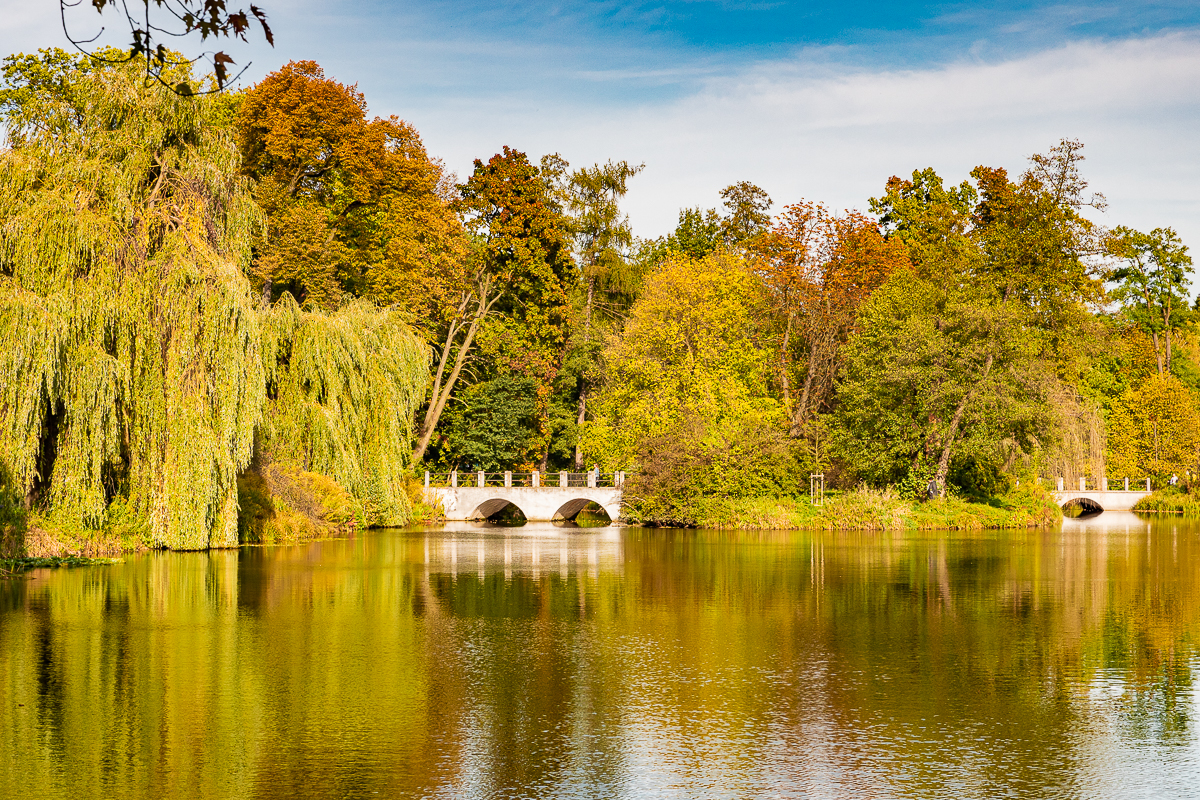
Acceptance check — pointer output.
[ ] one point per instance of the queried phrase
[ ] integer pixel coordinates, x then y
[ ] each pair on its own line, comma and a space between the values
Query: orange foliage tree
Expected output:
355, 206
818, 269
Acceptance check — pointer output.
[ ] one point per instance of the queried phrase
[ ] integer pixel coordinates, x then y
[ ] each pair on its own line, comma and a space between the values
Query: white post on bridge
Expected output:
537, 479
508, 480
1147, 484
1082, 484
426, 479
454, 479
1060, 483
480, 479
1127, 484
562, 479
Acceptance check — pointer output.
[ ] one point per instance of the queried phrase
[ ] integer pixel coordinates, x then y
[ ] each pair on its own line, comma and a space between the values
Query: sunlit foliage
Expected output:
355, 206
135, 368
1154, 430
141, 362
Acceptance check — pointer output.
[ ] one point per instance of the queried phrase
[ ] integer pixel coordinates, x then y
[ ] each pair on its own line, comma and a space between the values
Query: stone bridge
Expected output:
1096, 500
554, 496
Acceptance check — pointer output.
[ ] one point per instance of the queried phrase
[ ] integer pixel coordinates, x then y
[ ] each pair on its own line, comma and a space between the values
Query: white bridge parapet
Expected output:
477, 495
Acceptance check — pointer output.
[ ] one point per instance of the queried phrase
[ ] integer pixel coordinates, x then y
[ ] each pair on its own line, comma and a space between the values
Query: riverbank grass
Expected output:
11, 567
872, 509
1171, 500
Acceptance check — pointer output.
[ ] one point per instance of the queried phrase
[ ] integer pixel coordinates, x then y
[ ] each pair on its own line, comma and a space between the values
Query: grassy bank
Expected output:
11, 567
1171, 500
870, 509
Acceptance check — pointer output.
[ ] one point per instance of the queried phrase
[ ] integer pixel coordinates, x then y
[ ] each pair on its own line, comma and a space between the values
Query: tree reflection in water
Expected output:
553, 662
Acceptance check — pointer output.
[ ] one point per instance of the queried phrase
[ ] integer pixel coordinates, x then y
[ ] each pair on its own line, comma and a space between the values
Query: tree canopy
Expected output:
144, 367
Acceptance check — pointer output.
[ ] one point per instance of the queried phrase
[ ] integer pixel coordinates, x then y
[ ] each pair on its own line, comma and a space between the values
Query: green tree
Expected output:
697, 234
489, 427
701, 232
145, 376
932, 220
747, 212
519, 300
610, 278
1012, 261
1152, 283
937, 373
134, 368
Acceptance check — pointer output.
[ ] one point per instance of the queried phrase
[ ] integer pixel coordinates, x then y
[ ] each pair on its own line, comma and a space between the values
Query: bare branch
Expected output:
208, 18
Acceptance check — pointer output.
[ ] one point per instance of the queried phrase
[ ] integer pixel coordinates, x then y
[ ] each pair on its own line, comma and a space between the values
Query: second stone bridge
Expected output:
539, 497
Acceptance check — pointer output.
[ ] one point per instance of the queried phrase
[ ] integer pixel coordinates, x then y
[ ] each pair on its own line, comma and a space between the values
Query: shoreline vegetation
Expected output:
251, 317
861, 509
866, 509
12, 567
1171, 500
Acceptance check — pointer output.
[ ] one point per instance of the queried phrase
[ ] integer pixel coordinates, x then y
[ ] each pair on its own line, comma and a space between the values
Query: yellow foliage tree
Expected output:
1154, 429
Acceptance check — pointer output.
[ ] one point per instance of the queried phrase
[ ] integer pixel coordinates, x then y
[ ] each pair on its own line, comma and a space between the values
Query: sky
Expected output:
818, 100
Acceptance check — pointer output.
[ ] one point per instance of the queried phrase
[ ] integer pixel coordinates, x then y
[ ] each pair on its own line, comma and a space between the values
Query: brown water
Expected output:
544, 662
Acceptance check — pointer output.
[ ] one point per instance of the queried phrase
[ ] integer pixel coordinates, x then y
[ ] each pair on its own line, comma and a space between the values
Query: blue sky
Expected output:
819, 100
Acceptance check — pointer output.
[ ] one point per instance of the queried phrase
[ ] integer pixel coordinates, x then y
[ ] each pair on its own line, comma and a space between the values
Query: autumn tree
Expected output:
355, 206
1152, 283
688, 398
818, 268
517, 301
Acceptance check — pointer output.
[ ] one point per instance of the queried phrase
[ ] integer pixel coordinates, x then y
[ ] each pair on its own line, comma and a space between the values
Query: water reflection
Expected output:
482, 661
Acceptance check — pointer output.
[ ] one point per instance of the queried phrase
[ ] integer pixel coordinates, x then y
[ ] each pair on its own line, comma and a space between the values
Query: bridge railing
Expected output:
525, 479
1107, 485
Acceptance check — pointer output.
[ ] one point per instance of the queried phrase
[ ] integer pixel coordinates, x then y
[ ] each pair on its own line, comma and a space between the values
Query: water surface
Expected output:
551, 662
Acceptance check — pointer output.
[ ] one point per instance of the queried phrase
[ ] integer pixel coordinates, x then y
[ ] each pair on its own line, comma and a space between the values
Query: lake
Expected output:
551, 662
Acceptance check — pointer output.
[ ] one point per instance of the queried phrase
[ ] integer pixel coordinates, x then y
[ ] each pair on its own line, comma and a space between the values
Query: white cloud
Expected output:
802, 130
810, 126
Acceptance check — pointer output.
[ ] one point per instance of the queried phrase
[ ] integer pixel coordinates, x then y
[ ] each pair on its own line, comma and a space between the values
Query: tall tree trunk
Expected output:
583, 384
952, 434
802, 406
583, 391
785, 383
1157, 345
441, 392
1167, 331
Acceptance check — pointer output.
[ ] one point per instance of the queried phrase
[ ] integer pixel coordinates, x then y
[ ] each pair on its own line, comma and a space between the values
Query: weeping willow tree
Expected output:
342, 389
134, 365
128, 319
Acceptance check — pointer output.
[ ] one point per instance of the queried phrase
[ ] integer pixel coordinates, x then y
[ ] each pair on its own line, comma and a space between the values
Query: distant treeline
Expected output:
247, 316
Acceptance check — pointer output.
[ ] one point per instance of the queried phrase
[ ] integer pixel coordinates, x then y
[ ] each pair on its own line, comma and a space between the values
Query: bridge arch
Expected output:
495, 508
570, 509
1086, 506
